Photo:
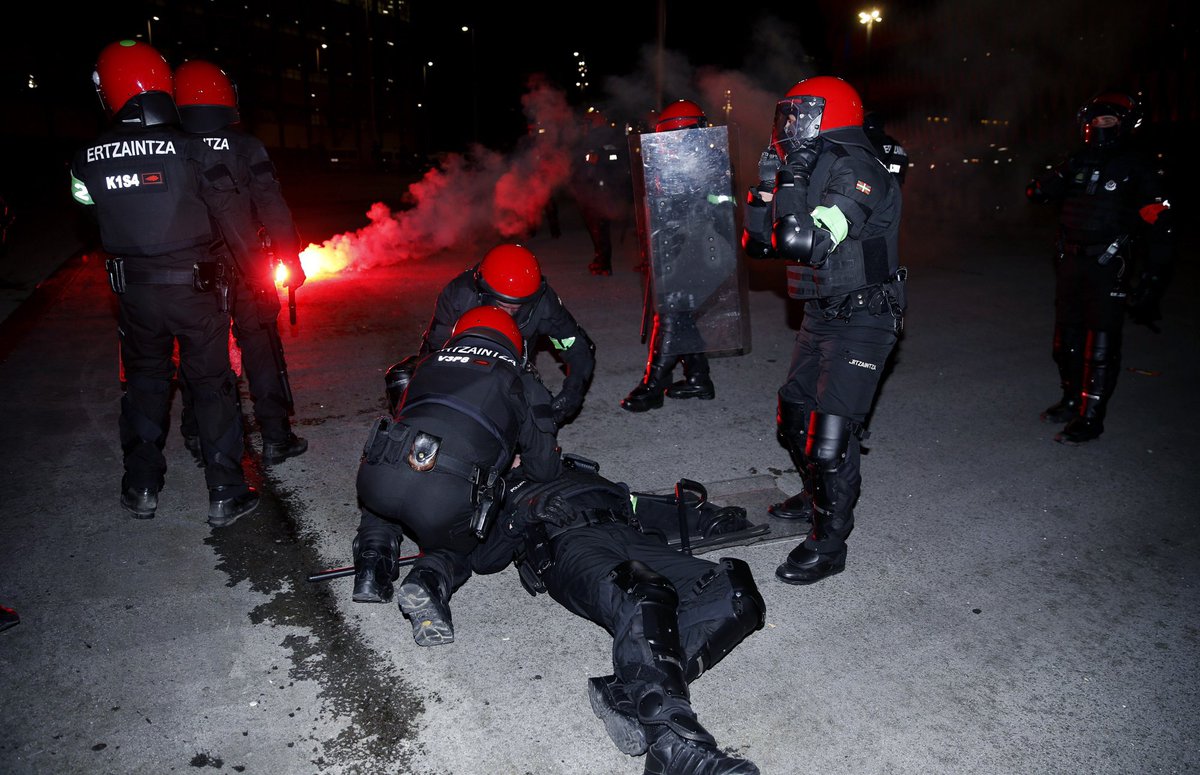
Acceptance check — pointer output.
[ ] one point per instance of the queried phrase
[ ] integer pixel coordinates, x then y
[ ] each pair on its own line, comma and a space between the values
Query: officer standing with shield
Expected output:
157, 193
696, 294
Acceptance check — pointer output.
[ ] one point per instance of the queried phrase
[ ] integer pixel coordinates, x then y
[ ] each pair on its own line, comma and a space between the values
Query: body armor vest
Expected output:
869, 256
145, 191
1098, 205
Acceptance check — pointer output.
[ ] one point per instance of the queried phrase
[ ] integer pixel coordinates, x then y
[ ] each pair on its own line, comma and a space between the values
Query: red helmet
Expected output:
127, 69
814, 106
497, 325
683, 114
509, 273
206, 96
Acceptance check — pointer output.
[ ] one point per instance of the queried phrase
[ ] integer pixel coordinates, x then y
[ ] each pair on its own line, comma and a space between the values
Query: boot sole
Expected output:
429, 628
626, 733
802, 580
683, 397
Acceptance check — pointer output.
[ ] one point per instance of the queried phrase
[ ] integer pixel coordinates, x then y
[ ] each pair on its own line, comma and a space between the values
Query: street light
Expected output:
869, 18
474, 87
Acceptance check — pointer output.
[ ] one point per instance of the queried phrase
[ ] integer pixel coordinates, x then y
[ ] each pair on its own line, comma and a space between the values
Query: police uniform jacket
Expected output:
252, 169
483, 406
850, 189
544, 316
161, 197
1106, 194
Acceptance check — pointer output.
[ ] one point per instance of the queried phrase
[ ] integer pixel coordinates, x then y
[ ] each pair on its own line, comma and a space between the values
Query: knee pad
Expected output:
657, 603
748, 602
828, 439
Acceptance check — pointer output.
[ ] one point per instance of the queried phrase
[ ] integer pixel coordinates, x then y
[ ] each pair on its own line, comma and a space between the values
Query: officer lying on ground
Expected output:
672, 616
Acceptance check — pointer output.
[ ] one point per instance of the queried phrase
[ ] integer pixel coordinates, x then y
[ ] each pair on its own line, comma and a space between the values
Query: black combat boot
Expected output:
375, 567
696, 382
791, 423
1069, 344
601, 267
823, 552
229, 503
426, 606
670, 753
1102, 366
616, 709
279, 451
649, 392
141, 502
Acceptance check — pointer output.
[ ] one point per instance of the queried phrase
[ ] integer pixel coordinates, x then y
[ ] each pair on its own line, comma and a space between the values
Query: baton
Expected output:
292, 305
341, 573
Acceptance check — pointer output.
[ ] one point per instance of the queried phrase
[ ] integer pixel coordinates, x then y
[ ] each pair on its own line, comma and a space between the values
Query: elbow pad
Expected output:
792, 239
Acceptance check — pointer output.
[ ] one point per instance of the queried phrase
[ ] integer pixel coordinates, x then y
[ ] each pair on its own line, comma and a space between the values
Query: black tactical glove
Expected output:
768, 167
565, 405
803, 160
295, 273
551, 509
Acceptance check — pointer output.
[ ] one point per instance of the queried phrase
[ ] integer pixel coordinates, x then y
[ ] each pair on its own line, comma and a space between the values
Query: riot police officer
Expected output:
834, 210
1113, 210
434, 468
672, 616
672, 326
887, 148
600, 186
509, 277
157, 192
208, 107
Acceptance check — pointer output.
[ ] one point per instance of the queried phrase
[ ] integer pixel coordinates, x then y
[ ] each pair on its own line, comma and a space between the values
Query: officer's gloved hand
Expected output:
803, 159
295, 270
768, 168
565, 405
552, 509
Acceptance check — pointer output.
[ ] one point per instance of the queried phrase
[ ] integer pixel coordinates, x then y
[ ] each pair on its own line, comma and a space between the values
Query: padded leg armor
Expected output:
375, 570
749, 614
649, 392
696, 382
1069, 343
823, 553
791, 422
1102, 366
675, 742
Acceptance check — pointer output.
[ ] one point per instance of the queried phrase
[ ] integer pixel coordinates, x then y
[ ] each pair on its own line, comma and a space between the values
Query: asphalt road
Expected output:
1010, 605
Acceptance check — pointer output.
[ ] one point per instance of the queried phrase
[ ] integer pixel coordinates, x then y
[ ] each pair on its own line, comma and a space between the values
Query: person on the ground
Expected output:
672, 616
208, 107
162, 197
434, 469
510, 278
1114, 232
827, 204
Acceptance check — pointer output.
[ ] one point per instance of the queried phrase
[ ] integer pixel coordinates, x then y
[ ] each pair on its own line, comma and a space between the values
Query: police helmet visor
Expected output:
797, 120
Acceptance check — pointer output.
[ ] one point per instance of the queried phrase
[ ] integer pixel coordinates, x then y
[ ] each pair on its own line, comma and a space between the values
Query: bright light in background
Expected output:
868, 17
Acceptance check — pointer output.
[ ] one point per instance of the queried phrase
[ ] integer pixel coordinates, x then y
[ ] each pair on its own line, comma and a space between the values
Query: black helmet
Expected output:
1108, 119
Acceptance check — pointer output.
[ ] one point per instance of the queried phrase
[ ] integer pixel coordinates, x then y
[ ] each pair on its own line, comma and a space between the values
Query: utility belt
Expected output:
874, 300
390, 442
1102, 253
204, 277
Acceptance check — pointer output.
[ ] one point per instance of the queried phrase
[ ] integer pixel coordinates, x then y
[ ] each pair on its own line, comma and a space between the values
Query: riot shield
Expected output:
697, 291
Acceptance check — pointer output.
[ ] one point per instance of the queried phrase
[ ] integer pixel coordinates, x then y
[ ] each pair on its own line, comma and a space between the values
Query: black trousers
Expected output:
152, 318
579, 580
836, 367
255, 326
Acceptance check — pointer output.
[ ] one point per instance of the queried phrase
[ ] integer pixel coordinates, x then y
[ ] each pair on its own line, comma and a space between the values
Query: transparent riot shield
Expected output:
696, 295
